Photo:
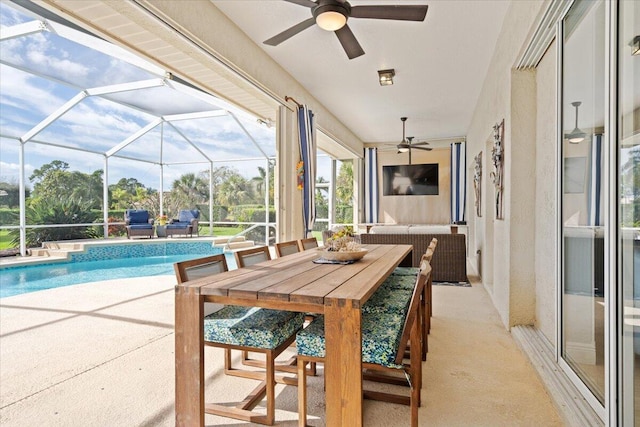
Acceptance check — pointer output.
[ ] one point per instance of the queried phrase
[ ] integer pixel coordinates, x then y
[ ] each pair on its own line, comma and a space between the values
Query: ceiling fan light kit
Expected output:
332, 15
385, 77
576, 136
407, 142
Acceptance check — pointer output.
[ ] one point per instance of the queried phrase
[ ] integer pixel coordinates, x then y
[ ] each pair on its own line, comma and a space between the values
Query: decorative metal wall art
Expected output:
497, 155
477, 183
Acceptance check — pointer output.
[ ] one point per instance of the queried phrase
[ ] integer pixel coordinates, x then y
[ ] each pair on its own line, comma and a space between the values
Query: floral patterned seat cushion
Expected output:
401, 282
251, 326
388, 300
406, 271
381, 335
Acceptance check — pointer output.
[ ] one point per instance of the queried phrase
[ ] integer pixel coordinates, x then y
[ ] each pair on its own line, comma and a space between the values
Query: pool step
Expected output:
242, 245
233, 243
52, 253
58, 249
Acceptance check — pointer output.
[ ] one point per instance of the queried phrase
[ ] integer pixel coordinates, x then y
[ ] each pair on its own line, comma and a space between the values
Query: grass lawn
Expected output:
5, 240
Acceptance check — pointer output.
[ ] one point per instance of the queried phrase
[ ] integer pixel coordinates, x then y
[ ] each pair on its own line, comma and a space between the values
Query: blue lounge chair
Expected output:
138, 223
186, 224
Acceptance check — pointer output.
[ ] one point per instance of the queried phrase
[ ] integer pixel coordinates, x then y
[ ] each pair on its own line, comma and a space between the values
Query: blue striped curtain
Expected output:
458, 181
595, 182
371, 193
307, 139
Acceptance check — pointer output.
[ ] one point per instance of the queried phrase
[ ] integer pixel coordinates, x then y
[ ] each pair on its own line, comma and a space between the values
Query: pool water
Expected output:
104, 263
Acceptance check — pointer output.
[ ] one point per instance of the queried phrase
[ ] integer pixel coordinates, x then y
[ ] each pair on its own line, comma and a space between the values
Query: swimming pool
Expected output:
104, 262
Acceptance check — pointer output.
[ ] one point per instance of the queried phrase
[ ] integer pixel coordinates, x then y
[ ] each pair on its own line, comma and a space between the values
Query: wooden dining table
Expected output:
293, 283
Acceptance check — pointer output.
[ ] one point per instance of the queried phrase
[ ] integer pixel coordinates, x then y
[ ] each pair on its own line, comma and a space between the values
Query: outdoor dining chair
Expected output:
287, 248
385, 335
309, 243
253, 329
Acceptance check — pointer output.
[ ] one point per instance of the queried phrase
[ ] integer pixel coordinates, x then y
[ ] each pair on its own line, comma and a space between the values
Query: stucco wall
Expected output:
511, 248
546, 194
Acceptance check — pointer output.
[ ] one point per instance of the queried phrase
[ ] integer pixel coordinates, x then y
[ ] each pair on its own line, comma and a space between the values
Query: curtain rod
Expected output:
288, 98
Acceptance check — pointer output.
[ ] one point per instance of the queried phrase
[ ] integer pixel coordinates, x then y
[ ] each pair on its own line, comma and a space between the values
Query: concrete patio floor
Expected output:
102, 354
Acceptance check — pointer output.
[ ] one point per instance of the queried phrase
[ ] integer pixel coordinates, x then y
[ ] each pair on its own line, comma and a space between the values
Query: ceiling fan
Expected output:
332, 15
407, 144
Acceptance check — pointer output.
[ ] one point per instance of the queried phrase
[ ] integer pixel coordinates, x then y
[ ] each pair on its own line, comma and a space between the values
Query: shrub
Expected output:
57, 212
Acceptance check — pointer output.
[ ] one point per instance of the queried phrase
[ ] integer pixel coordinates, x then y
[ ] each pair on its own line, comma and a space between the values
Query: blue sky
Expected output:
98, 124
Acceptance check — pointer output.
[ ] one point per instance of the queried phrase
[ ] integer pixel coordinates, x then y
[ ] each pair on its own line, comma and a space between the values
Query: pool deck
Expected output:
102, 354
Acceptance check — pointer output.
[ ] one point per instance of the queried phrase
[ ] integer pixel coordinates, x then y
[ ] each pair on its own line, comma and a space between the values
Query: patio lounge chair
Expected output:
186, 224
138, 223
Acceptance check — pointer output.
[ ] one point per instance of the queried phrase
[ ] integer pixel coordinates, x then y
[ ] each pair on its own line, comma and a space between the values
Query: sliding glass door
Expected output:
628, 123
583, 284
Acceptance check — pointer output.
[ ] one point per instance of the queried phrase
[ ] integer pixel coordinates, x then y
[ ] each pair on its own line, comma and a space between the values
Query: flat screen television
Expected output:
410, 180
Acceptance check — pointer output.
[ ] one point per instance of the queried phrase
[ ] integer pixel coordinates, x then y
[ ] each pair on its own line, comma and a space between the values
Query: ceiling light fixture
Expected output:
386, 77
576, 134
331, 17
635, 46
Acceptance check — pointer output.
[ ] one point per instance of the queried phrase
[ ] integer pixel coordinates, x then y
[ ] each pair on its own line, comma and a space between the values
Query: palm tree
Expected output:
191, 189
234, 191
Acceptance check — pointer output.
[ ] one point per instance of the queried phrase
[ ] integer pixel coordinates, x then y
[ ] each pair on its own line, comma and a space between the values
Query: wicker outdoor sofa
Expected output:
449, 261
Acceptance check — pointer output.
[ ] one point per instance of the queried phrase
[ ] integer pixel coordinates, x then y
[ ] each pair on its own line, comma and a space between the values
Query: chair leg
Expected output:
425, 321
271, 392
302, 393
415, 369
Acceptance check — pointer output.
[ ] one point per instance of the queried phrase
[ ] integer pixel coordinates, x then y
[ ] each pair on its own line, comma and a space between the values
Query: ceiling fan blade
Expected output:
422, 148
305, 3
420, 143
286, 34
349, 42
400, 13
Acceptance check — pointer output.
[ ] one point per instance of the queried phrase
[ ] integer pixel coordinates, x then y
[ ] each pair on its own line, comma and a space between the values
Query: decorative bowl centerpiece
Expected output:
342, 245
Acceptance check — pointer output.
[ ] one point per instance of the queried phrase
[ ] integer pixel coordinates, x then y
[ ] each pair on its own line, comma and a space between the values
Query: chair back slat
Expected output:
287, 248
309, 243
200, 267
412, 314
248, 257
428, 255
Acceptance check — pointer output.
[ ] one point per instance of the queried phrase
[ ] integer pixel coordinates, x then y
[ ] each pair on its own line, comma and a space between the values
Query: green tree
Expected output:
259, 183
191, 189
344, 184
53, 181
344, 193
236, 190
12, 197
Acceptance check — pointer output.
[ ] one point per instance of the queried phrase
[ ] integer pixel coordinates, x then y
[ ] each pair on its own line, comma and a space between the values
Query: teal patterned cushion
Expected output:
402, 282
381, 335
406, 271
388, 300
251, 326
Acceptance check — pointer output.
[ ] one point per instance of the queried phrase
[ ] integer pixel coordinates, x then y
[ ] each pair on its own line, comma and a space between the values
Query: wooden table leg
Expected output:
343, 363
189, 334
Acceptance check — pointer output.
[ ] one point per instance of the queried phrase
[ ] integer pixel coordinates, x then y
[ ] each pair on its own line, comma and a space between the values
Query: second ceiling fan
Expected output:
408, 145
332, 15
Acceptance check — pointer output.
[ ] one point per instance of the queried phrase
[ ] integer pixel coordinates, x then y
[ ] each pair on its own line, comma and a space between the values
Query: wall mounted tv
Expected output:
410, 180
